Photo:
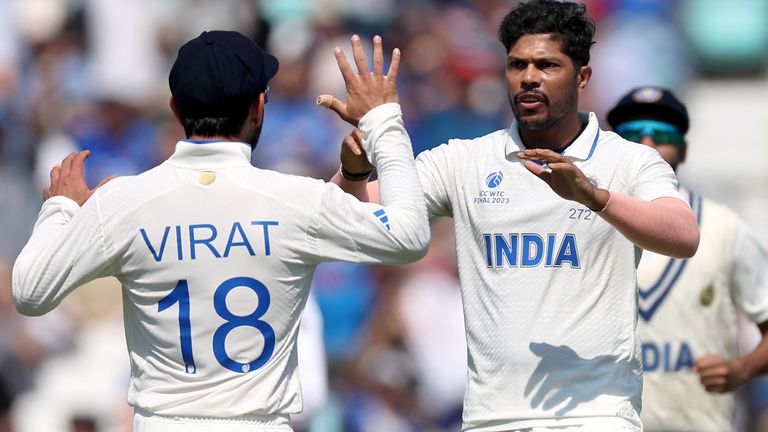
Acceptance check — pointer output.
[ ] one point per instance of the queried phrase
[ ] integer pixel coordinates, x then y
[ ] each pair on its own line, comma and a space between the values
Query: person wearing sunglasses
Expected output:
688, 318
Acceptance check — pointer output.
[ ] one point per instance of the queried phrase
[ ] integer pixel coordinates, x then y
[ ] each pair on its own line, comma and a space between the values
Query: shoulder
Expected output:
713, 213
618, 145
461, 147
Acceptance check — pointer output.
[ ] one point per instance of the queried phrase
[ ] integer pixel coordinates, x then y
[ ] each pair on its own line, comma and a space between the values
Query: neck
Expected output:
559, 135
212, 138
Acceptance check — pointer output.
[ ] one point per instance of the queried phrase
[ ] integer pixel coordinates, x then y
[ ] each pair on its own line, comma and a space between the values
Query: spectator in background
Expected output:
688, 307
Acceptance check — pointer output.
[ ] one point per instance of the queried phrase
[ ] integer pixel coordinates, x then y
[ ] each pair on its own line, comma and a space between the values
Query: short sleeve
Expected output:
653, 177
749, 273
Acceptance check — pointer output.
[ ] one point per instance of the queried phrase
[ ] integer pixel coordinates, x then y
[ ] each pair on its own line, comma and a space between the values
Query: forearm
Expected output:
389, 150
357, 189
665, 225
57, 258
756, 362
32, 291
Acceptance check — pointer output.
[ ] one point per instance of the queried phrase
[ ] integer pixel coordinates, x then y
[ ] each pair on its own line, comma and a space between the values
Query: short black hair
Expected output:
568, 21
229, 126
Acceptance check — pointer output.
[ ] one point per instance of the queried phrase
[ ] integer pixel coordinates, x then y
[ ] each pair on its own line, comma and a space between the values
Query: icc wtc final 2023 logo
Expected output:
494, 179
492, 195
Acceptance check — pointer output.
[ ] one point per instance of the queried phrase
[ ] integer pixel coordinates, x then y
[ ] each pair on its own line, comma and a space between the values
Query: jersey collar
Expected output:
581, 149
210, 154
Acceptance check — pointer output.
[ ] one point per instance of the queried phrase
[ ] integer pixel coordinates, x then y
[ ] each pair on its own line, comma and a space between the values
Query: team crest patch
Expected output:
647, 95
707, 295
593, 180
494, 179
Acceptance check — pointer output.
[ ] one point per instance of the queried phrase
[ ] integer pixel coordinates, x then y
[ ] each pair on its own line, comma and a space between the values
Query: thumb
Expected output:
334, 104
105, 181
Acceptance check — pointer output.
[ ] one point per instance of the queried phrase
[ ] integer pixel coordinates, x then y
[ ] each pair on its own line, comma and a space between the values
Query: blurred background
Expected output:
92, 74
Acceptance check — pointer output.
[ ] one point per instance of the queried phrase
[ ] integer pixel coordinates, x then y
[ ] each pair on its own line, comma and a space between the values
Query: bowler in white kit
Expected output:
688, 308
215, 256
550, 217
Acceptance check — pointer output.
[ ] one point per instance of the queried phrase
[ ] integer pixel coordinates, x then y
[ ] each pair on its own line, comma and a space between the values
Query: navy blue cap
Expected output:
218, 73
657, 102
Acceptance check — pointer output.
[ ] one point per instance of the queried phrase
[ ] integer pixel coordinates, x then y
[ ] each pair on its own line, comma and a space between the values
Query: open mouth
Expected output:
530, 100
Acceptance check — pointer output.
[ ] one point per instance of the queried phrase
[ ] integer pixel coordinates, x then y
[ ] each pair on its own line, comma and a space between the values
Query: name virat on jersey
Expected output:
195, 240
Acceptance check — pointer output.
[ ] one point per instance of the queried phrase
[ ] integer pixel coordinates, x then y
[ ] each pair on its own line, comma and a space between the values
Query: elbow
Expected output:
416, 250
29, 307
689, 242
25, 301
691, 245
416, 246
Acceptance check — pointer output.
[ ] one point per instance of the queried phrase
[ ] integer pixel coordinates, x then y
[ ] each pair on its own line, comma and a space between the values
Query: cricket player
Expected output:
215, 256
688, 307
550, 216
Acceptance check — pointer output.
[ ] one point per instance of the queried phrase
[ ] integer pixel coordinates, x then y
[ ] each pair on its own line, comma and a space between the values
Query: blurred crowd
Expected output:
92, 74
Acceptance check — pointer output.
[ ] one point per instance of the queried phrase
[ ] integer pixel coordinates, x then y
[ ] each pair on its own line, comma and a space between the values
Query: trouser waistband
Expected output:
144, 421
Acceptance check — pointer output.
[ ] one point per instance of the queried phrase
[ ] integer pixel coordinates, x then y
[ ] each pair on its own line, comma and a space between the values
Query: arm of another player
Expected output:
748, 280
664, 225
66, 248
398, 232
354, 161
721, 375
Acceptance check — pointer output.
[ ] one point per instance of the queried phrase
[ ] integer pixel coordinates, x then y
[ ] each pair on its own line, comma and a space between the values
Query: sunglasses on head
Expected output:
660, 132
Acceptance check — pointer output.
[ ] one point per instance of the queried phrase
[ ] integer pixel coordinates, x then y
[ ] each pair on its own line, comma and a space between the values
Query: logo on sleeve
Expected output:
382, 215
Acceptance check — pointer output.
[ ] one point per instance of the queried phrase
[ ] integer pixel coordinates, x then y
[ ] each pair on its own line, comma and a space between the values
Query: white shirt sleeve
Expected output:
395, 231
67, 249
749, 273
653, 177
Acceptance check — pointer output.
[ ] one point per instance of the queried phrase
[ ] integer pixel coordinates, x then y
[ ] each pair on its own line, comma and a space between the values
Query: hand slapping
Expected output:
365, 89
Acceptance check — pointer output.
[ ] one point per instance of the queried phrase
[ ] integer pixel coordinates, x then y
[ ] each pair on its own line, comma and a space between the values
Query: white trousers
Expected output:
147, 422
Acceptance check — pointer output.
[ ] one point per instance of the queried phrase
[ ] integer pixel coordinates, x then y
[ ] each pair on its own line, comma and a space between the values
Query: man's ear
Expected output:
683, 152
175, 109
585, 73
256, 111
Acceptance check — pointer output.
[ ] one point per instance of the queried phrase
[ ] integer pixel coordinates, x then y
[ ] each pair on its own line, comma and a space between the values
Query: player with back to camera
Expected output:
215, 256
688, 307
550, 215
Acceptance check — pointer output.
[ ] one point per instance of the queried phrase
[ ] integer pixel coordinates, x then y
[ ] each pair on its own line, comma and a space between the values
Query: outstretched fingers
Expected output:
78, 163
394, 65
378, 57
346, 70
359, 55
334, 104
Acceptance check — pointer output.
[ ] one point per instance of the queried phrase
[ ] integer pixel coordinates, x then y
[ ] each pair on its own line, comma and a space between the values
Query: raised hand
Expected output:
365, 89
564, 178
67, 179
718, 374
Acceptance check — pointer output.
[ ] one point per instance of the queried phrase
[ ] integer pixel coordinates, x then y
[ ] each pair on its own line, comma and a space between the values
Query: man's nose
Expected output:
531, 76
648, 140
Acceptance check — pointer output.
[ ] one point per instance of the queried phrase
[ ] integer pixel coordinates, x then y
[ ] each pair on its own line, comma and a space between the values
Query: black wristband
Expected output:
355, 177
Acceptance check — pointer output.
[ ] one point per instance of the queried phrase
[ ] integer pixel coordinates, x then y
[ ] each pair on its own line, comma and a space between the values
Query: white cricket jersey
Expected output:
216, 258
548, 286
687, 310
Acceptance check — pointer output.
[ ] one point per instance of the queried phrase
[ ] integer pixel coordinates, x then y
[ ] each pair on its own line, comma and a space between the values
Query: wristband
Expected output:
606, 204
355, 177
